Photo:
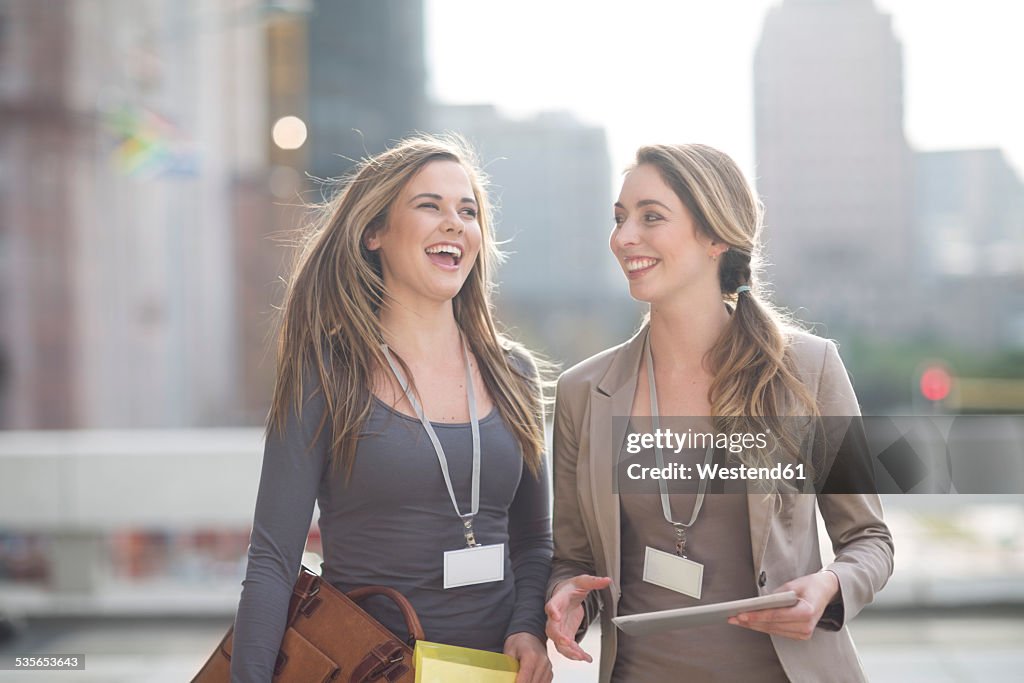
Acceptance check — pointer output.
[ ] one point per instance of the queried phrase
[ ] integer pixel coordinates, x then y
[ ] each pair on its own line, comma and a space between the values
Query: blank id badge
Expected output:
673, 572
470, 566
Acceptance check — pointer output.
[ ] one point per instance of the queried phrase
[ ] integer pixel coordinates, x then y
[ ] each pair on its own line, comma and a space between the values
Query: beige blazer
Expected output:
783, 527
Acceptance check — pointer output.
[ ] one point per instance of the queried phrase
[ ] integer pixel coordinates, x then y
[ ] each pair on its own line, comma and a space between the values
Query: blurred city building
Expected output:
268, 199
833, 165
550, 178
970, 212
367, 79
863, 234
125, 125
38, 137
969, 207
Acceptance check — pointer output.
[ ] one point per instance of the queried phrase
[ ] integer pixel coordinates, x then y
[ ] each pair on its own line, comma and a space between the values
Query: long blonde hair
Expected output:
330, 333
755, 383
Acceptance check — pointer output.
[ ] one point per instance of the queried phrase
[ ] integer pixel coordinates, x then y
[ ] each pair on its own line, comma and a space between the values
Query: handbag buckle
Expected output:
309, 601
389, 657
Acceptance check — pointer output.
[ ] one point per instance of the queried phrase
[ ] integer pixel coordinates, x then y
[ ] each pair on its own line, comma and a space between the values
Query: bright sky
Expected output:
682, 71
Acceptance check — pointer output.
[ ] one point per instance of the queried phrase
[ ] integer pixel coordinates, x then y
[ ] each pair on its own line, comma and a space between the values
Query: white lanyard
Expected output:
467, 519
666, 505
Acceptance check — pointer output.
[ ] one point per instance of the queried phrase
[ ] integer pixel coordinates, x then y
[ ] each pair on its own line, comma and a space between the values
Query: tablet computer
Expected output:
647, 623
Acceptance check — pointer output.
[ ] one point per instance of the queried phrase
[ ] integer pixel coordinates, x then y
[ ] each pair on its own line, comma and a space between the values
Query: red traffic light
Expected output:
936, 383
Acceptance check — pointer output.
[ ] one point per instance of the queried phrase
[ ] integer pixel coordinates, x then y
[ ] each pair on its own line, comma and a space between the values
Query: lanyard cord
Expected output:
467, 519
666, 505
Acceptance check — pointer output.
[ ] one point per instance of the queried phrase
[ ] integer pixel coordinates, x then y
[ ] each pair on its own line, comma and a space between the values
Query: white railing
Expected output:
66, 481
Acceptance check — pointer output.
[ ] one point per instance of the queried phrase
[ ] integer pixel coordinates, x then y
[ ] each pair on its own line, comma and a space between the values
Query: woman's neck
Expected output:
684, 330
422, 332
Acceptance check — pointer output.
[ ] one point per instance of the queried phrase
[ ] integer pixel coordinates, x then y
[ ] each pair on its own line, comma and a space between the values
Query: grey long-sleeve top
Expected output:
389, 525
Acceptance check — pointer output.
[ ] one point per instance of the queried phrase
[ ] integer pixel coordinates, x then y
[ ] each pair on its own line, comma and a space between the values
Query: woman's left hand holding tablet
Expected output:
532, 655
814, 593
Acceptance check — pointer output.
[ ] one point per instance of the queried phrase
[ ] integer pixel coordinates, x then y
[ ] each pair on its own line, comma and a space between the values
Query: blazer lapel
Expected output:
760, 510
611, 401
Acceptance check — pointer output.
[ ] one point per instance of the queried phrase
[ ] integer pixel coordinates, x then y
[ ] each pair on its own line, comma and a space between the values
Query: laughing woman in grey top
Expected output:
414, 425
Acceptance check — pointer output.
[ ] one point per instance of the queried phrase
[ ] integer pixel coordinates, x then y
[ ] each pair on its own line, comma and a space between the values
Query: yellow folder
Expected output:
437, 663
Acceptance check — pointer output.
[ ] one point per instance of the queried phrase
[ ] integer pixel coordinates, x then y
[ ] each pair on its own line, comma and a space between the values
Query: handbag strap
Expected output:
412, 622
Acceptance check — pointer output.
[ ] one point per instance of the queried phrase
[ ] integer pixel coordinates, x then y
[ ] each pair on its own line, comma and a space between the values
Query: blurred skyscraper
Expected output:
833, 165
367, 79
970, 212
124, 124
40, 144
969, 207
550, 178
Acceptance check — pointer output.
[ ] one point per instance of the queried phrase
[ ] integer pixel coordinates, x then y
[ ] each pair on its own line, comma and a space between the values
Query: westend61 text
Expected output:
676, 441
711, 471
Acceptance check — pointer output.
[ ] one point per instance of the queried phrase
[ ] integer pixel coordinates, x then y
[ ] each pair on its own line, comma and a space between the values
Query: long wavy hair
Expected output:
330, 335
755, 383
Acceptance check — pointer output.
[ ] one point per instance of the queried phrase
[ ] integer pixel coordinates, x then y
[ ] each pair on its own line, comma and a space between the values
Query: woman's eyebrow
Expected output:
426, 195
437, 197
643, 202
649, 202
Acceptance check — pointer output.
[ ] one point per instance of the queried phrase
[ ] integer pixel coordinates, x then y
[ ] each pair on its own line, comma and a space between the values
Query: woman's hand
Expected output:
565, 613
814, 592
532, 655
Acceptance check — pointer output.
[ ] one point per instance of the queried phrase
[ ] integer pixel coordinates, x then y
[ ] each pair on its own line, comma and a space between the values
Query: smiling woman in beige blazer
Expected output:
686, 235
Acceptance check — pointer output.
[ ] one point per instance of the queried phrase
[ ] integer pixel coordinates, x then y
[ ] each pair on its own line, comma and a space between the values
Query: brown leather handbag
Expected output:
330, 638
